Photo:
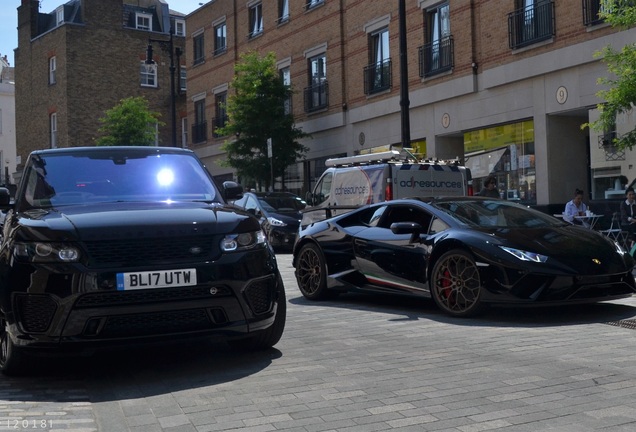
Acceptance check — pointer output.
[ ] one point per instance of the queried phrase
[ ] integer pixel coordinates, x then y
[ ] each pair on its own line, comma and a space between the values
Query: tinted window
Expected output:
500, 214
64, 179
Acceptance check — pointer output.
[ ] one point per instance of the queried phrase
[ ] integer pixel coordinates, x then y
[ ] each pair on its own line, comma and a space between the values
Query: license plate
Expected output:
156, 279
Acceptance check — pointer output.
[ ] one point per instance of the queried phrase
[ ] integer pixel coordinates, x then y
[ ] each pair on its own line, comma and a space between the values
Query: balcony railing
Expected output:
531, 24
200, 132
437, 57
317, 96
377, 77
591, 8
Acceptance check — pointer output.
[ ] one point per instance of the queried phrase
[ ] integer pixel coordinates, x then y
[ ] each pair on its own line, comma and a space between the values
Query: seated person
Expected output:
628, 215
575, 207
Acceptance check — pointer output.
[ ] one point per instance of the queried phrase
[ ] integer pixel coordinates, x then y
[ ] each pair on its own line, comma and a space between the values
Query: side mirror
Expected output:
412, 228
309, 198
5, 197
232, 190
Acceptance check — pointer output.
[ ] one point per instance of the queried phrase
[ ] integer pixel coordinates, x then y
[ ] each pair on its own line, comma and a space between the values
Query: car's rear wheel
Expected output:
12, 360
456, 285
311, 273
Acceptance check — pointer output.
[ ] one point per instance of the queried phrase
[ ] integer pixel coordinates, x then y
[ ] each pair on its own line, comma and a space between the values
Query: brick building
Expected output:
81, 59
504, 85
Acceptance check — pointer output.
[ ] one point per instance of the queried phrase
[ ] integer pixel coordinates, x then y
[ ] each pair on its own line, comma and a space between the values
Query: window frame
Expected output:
220, 41
148, 71
283, 11
59, 16
53, 130
311, 4
183, 79
179, 27
220, 111
143, 16
198, 48
285, 75
52, 70
255, 20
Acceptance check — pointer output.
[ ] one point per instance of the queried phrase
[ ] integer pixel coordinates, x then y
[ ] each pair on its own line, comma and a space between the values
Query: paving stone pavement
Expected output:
358, 363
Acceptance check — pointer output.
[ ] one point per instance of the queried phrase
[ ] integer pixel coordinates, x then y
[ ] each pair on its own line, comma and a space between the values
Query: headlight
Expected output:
620, 249
525, 255
46, 252
276, 222
243, 241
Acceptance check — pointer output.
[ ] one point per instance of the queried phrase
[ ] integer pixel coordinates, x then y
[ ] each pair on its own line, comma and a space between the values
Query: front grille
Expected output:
149, 251
155, 323
35, 312
259, 295
116, 298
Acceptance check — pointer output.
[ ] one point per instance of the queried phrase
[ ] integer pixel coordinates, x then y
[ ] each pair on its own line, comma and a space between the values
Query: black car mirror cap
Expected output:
232, 190
406, 228
5, 198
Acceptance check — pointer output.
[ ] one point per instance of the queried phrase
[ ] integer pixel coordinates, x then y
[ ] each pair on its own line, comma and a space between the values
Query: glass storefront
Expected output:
507, 153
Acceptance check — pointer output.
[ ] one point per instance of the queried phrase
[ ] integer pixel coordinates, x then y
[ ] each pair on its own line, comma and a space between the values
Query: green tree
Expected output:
129, 123
620, 94
256, 112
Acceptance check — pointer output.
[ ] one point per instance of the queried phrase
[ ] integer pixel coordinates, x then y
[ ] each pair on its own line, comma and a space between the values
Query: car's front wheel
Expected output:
456, 285
267, 338
12, 361
311, 273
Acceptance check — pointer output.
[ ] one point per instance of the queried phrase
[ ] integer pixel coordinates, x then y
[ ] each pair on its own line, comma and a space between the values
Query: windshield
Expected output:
496, 214
282, 204
69, 179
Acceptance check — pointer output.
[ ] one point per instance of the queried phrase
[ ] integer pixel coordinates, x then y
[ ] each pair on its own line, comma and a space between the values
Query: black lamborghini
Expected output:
465, 253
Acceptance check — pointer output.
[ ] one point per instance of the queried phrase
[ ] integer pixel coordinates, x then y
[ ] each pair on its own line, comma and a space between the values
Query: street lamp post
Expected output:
404, 79
172, 52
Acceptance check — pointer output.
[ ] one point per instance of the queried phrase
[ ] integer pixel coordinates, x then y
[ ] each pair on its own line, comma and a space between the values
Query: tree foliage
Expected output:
129, 123
256, 112
620, 94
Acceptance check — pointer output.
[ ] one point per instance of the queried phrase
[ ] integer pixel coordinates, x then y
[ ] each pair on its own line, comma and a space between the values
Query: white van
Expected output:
353, 181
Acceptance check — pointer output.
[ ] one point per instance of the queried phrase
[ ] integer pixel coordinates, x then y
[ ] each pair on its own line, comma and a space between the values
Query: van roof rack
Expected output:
364, 159
403, 155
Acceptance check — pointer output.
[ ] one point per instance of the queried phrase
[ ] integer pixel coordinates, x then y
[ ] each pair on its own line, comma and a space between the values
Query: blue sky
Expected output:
9, 19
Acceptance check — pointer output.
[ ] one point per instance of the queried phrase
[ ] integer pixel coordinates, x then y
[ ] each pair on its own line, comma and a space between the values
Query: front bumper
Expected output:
234, 296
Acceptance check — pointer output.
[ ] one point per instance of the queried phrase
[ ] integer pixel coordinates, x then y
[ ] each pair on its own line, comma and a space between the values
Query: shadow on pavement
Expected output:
409, 308
135, 372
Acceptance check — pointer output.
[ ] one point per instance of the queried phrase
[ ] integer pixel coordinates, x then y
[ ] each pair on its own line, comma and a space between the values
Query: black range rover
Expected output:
111, 245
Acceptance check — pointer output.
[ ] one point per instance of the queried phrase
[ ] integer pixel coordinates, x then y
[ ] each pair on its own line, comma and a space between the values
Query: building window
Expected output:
53, 129
179, 27
148, 75
437, 54
52, 70
256, 20
220, 38
199, 48
220, 108
591, 9
182, 79
285, 76
377, 75
283, 11
59, 15
144, 21
313, 3
316, 95
532, 22
199, 128
184, 132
